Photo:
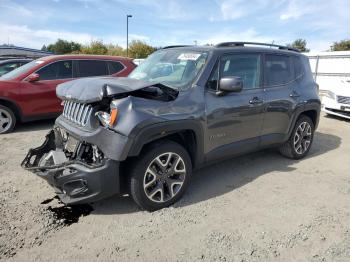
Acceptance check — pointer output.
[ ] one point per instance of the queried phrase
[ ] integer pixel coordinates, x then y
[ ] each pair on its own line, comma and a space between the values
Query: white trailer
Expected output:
331, 71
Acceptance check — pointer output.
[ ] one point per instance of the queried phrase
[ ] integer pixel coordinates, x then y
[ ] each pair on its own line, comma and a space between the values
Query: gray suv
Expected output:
182, 108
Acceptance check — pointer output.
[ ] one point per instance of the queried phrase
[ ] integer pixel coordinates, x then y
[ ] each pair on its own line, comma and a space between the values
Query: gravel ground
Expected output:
259, 207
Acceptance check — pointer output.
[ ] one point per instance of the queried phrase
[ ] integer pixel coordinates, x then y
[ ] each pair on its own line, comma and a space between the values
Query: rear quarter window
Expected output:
115, 67
298, 67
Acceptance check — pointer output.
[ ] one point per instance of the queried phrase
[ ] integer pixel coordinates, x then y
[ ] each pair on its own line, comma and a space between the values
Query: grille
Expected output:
343, 99
77, 113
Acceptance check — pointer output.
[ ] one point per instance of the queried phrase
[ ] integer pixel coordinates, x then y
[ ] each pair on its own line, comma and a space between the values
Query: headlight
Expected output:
327, 93
108, 119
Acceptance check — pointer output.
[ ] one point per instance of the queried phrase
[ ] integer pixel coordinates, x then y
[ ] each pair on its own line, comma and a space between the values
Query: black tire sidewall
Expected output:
138, 172
12, 116
291, 142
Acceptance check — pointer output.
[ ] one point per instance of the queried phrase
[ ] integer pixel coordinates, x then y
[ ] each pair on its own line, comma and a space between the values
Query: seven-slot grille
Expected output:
77, 113
343, 99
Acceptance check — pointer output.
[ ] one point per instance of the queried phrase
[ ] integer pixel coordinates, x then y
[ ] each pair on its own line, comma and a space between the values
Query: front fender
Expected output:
150, 133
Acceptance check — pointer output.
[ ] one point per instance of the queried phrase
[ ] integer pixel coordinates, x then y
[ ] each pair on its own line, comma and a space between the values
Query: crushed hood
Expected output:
94, 89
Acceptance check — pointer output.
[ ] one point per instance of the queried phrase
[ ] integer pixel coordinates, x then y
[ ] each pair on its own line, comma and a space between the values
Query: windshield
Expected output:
172, 67
20, 70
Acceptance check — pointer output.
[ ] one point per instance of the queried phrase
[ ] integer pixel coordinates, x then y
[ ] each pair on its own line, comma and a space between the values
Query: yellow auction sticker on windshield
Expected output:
189, 56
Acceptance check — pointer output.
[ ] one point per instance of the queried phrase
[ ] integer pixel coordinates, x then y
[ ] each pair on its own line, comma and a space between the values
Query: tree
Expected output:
343, 45
115, 50
139, 49
299, 44
64, 47
96, 47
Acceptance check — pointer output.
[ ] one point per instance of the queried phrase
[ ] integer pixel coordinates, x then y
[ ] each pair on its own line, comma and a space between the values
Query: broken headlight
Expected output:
108, 119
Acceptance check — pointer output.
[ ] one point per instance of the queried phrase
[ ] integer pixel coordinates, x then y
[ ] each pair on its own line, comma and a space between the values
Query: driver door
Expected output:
234, 120
41, 94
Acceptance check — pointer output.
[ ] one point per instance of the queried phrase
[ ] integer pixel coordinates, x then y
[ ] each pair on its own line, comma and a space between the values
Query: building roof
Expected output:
12, 47
10, 51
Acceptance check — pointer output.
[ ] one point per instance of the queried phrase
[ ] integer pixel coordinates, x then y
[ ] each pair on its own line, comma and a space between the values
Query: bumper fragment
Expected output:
74, 181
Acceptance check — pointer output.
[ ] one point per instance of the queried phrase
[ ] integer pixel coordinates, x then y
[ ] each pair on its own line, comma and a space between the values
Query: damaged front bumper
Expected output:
75, 181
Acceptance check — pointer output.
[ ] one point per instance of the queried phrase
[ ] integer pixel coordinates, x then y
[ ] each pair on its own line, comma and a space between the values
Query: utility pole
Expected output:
127, 34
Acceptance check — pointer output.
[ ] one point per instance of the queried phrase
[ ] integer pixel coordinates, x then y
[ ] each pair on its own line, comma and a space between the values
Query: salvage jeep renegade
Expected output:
184, 107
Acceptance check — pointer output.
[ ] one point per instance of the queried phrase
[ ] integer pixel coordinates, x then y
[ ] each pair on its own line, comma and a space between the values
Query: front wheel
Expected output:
7, 120
160, 176
300, 140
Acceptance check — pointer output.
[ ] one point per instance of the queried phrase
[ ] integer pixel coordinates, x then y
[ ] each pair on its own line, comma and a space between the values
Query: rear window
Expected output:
92, 68
278, 70
115, 67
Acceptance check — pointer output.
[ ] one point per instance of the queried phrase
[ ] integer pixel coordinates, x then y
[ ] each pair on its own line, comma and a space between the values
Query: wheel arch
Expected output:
189, 134
13, 106
313, 113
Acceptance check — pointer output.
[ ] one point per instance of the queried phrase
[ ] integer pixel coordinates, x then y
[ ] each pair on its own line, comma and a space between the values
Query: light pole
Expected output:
127, 34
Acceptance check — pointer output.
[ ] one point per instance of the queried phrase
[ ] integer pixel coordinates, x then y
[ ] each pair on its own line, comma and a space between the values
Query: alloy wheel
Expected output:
164, 177
302, 138
5, 121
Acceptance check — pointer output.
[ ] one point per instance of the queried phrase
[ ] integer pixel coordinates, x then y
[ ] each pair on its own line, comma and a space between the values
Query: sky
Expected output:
33, 23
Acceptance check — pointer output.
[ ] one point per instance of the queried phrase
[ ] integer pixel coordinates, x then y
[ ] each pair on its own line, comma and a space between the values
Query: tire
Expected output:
295, 148
7, 120
160, 175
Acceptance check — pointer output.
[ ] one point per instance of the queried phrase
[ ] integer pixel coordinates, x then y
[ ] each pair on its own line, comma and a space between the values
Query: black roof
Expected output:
240, 46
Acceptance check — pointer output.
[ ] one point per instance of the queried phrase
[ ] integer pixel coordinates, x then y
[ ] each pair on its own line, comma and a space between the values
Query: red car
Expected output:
29, 92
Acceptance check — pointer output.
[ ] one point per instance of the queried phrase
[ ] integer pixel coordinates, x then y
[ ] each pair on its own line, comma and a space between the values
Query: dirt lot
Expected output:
253, 208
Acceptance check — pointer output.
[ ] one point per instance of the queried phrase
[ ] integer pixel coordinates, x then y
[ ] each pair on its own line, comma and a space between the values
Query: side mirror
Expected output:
33, 77
231, 84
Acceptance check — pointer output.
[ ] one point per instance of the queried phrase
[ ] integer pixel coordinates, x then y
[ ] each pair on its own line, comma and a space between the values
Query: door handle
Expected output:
255, 101
294, 94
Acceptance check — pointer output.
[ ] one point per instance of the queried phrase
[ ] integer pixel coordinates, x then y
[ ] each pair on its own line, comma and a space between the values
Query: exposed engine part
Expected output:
53, 158
86, 153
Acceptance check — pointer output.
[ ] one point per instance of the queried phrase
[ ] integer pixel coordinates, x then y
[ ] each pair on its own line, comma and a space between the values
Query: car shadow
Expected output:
34, 126
225, 176
329, 116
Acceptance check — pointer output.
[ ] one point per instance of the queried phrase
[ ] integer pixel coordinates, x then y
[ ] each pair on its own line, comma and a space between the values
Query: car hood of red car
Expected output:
94, 89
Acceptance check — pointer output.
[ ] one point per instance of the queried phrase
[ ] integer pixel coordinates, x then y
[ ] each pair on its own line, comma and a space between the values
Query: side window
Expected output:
92, 68
115, 67
8, 68
278, 70
57, 70
245, 66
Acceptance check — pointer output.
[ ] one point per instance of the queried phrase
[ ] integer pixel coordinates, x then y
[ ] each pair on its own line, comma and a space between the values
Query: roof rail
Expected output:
228, 44
174, 46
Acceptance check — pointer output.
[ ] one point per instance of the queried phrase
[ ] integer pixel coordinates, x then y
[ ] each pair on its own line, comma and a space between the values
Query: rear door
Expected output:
281, 97
89, 68
41, 95
234, 120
